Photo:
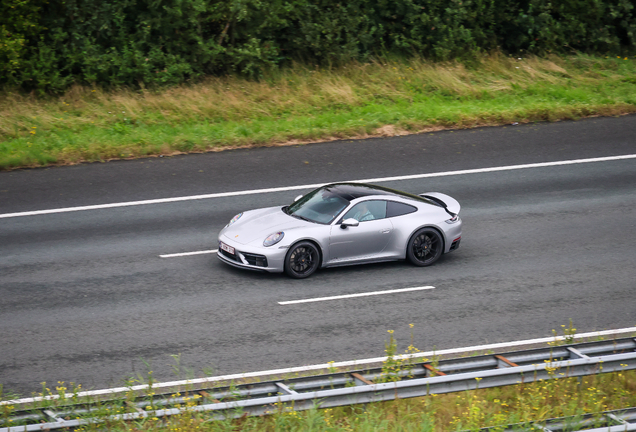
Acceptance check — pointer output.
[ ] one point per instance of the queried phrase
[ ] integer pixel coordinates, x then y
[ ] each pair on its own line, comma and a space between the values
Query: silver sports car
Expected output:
342, 224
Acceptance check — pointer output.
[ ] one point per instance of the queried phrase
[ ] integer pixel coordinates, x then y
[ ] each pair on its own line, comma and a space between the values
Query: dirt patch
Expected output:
389, 131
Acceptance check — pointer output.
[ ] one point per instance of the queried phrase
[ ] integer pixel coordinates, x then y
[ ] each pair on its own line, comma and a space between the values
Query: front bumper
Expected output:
271, 259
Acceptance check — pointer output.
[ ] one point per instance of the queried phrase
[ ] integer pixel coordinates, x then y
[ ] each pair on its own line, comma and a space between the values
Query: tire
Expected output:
425, 247
302, 260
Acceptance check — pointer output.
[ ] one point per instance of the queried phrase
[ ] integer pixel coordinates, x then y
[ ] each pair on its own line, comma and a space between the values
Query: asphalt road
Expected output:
85, 297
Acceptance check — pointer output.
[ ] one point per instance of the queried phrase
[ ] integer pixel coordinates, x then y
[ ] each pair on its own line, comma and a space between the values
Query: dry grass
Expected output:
317, 104
289, 92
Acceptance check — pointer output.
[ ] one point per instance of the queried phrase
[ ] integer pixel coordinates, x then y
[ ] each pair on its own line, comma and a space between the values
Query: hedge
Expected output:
47, 45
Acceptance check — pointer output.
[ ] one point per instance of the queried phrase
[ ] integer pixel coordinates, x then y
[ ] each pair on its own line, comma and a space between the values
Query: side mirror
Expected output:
349, 222
297, 198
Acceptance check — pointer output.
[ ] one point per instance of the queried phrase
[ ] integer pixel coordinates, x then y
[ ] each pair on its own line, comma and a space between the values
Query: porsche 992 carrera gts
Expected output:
342, 224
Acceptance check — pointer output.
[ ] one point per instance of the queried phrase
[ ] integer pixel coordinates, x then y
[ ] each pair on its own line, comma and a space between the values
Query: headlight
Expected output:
234, 219
272, 239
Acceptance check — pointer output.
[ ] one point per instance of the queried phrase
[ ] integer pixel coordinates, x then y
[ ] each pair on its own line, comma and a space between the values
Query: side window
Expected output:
398, 209
366, 211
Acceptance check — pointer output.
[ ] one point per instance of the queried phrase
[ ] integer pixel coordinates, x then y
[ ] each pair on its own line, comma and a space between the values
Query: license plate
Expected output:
226, 248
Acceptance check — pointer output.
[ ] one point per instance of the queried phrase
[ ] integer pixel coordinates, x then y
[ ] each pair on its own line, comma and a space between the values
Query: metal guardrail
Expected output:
358, 387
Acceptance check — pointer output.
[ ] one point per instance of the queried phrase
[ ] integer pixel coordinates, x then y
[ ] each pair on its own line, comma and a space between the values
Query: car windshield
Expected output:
320, 206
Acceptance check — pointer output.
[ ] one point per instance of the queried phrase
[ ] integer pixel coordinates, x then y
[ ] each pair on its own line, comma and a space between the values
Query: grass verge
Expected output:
301, 105
532, 401
527, 404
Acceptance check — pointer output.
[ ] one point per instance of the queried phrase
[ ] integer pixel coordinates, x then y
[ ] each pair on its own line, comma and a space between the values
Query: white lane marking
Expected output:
189, 253
346, 296
313, 186
293, 370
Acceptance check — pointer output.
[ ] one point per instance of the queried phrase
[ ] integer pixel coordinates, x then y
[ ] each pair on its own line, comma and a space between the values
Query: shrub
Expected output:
49, 45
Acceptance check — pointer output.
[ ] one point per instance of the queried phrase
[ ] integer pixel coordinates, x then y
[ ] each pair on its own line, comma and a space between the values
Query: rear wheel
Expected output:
425, 247
302, 260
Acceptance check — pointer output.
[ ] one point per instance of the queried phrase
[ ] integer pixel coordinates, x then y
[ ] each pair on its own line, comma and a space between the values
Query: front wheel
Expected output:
301, 260
425, 247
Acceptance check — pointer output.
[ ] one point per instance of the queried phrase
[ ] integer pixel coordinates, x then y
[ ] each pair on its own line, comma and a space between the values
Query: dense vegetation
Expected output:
48, 45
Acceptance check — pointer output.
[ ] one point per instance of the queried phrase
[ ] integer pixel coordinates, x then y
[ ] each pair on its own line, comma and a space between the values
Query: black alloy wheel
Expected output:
302, 260
425, 247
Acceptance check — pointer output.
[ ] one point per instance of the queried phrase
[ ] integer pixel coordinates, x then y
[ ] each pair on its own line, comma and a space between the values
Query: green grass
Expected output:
301, 105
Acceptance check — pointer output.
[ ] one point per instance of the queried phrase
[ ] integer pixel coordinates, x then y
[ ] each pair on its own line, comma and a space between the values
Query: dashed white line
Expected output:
347, 296
189, 253
312, 186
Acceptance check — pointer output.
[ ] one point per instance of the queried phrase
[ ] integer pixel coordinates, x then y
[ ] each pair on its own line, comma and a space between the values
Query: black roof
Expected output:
351, 191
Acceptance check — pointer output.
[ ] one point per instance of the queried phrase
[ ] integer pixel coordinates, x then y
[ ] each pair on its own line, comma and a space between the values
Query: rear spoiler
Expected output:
449, 204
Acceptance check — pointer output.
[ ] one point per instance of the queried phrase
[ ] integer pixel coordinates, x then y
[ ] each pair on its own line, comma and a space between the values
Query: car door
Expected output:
365, 241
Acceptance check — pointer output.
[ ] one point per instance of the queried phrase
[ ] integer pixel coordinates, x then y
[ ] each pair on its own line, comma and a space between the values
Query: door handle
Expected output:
385, 231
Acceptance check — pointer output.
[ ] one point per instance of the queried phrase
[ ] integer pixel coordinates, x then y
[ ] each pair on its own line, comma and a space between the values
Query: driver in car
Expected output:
363, 214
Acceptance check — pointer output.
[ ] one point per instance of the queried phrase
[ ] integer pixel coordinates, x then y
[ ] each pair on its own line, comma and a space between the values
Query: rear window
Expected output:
394, 209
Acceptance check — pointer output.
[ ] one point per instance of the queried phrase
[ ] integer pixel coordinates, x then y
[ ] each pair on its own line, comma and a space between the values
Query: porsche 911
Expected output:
343, 224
